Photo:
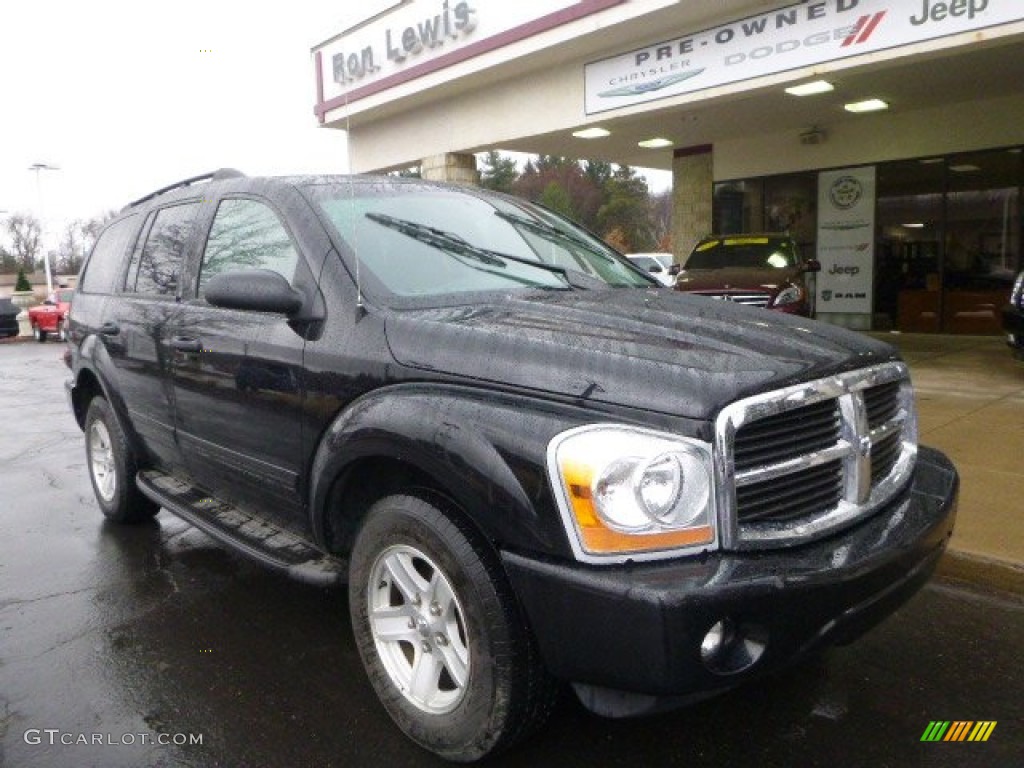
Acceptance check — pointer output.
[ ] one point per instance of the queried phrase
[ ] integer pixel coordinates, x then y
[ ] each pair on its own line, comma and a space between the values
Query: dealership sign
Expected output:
846, 236
405, 38
798, 35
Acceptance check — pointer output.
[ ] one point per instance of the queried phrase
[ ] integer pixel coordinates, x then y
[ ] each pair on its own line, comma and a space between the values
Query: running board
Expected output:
253, 536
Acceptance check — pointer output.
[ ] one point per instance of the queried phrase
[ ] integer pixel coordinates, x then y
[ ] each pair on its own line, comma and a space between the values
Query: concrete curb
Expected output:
991, 572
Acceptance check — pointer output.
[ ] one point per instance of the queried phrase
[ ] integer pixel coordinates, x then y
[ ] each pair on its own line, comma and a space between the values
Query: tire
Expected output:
62, 334
448, 652
112, 466
39, 334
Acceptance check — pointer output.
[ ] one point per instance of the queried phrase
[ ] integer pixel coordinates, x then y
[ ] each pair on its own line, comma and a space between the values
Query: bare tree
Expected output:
26, 239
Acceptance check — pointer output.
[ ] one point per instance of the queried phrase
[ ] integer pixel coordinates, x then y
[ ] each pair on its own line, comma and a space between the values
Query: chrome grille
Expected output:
805, 460
748, 298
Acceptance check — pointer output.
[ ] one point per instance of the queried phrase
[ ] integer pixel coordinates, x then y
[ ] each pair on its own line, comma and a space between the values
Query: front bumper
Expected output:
638, 628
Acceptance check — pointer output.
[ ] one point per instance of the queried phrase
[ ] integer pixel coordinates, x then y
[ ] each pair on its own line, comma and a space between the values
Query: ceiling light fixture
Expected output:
591, 133
811, 88
868, 105
914, 225
656, 143
964, 168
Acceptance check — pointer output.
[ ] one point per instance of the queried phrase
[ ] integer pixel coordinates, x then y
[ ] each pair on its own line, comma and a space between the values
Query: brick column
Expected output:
455, 167
692, 190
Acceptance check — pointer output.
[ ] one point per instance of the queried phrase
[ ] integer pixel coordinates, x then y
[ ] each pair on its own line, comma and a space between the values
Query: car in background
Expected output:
1013, 317
8, 318
50, 317
758, 270
660, 265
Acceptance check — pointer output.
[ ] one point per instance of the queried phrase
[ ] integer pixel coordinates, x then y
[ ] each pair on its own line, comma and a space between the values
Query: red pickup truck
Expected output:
51, 316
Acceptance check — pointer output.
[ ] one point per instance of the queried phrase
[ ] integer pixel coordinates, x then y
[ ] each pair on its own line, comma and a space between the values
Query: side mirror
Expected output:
675, 269
812, 265
257, 290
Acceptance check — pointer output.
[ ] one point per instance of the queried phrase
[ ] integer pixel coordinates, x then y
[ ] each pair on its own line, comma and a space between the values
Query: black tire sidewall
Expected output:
127, 505
479, 721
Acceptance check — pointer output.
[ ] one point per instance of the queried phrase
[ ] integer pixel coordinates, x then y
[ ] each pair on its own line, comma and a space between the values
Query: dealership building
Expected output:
884, 135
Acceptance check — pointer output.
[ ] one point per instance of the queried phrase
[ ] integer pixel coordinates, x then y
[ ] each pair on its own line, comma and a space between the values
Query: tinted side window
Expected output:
155, 269
104, 265
247, 234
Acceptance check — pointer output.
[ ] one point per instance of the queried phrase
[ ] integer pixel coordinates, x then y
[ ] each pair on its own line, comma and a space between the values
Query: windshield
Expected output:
426, 241
743, 253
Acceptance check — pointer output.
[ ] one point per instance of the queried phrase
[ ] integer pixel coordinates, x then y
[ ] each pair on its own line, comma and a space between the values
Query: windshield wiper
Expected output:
453, 243
553, 233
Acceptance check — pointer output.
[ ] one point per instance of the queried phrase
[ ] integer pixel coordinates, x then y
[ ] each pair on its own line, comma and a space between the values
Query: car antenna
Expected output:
351, 196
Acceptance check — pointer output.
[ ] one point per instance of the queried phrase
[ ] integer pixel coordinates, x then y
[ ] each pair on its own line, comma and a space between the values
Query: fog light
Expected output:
729, 648
714, 641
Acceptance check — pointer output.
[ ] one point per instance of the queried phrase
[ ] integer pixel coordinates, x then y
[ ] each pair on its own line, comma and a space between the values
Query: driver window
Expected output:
247, 234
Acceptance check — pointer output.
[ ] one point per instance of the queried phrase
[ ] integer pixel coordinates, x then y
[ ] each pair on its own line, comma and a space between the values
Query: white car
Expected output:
660, 265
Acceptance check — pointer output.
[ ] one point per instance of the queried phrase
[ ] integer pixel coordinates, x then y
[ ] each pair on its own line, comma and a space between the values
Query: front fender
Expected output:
484, 450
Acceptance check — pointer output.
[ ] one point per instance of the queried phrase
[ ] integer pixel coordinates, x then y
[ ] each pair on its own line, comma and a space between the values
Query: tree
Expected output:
499, 173
557, 199
627, 211
26, 239
8, 263
22, 283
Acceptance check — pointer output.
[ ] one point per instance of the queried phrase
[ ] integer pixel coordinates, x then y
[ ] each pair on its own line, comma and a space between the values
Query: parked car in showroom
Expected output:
1013, 317
49, 318
757, 270
8, 318
534, 468
660, 265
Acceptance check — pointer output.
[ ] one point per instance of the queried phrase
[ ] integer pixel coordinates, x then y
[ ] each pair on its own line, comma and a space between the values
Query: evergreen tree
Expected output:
22, 283
499, 172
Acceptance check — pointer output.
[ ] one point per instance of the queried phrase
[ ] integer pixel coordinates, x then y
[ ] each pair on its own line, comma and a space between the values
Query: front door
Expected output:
238, 375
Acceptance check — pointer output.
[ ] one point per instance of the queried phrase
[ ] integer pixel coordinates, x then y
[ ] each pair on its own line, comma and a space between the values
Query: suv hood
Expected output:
653, 349
735, 278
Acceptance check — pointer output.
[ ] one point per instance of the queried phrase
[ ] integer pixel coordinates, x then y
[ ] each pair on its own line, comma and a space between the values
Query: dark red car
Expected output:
759, 270
51, 316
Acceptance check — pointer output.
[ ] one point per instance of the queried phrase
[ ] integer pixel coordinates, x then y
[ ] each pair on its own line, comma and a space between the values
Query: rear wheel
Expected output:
112, 467
39, 334
440, 633
61, 331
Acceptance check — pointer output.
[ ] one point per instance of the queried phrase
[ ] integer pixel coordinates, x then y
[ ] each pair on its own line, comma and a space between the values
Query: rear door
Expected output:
136, 323
237, 375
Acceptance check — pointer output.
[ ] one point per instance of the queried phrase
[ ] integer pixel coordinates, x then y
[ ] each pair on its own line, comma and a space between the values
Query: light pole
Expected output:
37, 167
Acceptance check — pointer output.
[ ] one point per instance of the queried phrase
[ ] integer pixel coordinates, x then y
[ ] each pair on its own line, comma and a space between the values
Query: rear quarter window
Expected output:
100, 273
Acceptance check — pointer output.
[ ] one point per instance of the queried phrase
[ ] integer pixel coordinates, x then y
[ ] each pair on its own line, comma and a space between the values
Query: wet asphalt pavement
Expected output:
124, 637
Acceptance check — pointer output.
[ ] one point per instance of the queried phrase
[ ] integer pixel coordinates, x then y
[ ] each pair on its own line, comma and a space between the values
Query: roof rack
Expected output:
220, 173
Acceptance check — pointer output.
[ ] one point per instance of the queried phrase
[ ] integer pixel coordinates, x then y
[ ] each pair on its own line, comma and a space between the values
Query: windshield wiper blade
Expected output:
552, 233
453, 243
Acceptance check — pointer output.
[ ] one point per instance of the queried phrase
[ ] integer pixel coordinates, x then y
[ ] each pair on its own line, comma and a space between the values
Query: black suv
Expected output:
531, 465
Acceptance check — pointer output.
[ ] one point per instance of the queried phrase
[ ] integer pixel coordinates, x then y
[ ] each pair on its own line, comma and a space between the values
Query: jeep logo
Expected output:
940, 11
838, 269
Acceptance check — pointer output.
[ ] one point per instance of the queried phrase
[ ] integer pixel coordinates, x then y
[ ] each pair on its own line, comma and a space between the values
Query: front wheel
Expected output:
62, 334
112, 467
440, 633
39, 334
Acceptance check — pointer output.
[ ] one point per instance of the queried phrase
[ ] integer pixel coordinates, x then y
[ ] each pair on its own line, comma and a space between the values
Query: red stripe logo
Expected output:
863, 28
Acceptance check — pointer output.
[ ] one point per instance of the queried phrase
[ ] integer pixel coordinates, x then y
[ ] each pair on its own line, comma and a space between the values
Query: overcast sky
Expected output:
126, 97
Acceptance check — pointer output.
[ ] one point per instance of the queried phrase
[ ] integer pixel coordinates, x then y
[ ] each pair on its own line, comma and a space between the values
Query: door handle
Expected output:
110, 329
187, 344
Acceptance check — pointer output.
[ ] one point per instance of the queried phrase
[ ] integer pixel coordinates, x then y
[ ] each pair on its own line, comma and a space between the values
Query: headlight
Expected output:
625, 490
791, 294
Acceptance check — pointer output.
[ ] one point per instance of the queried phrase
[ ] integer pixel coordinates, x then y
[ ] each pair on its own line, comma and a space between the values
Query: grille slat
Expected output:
792, 497
882, 403
787, 435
